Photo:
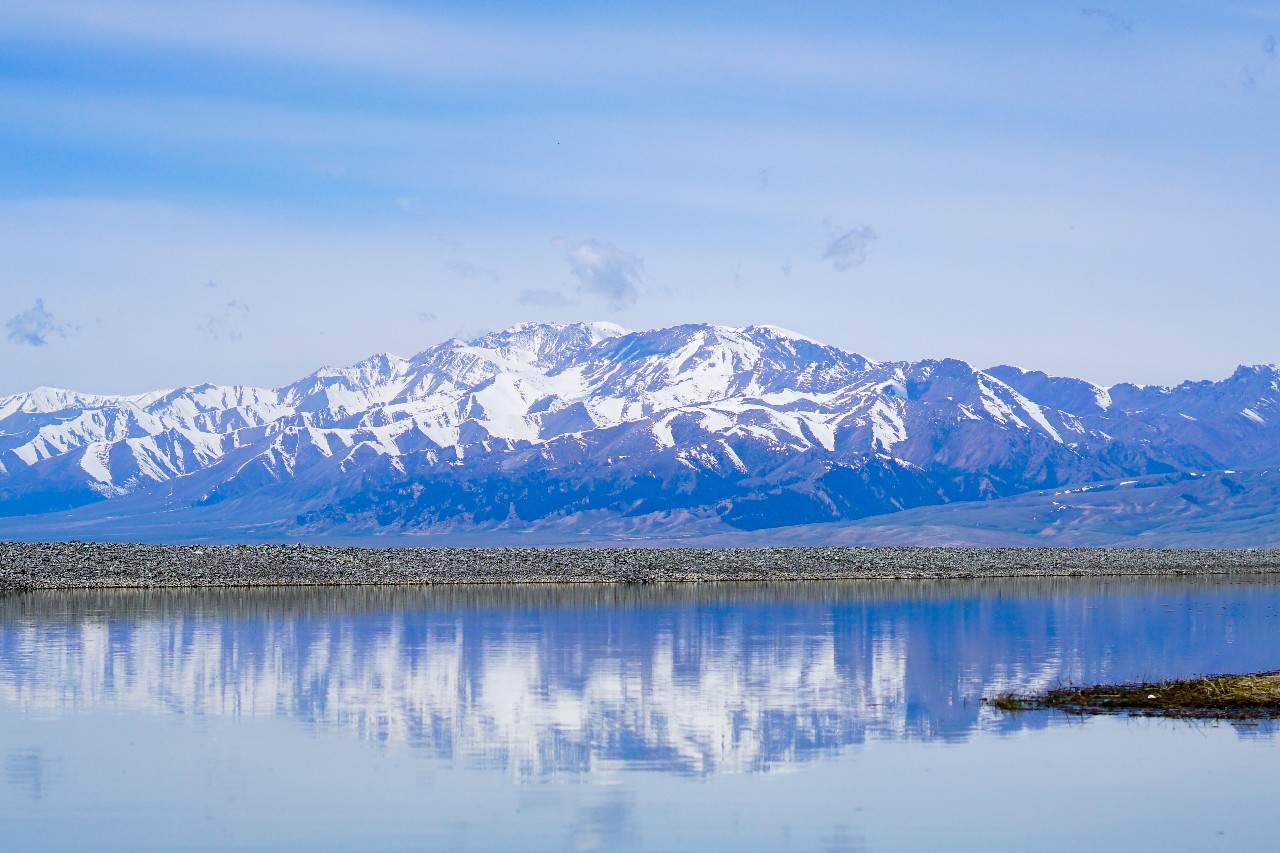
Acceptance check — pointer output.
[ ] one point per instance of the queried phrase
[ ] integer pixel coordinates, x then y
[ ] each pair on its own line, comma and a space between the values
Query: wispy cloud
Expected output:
409, 204
545, 298
416, 43
1253, 71
466, 269
605, 271
454, 262
1115, 22
34, 326
848, 249
224, 325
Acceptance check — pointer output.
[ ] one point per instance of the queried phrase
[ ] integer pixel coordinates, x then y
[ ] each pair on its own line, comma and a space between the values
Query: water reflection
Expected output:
547, 681
25, 769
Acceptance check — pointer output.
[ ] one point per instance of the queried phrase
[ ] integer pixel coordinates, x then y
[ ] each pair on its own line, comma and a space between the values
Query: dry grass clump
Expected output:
1251, 696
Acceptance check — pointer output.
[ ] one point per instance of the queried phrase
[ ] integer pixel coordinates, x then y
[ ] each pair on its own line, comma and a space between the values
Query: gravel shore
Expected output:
79, 565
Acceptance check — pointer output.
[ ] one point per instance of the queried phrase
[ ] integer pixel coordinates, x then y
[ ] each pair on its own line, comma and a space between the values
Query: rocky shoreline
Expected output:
1251, 696
80, 565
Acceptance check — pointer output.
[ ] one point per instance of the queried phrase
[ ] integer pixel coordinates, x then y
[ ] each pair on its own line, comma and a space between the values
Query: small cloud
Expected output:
427, 317
220, 329
409, 204
466, 269
848, 249
1253, 71
604, 270
446, 242
1116, 23
545, 298
224, 326
34, 326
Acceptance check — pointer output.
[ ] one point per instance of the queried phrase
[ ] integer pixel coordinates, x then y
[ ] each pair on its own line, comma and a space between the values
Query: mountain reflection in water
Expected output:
552, 681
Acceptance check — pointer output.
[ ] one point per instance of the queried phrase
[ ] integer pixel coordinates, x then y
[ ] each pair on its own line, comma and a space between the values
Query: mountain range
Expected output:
588, 432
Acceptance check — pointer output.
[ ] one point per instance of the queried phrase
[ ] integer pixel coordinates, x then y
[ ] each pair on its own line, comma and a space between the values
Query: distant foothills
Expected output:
698, 434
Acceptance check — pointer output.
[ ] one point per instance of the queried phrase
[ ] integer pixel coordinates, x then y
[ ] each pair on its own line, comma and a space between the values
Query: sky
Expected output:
242, 192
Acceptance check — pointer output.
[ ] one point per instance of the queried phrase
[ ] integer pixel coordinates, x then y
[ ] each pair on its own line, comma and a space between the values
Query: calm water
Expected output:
839, 716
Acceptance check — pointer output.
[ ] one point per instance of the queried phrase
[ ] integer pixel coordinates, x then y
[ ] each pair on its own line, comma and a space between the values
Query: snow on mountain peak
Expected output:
603, 330
543, 345
780, 332
630, 411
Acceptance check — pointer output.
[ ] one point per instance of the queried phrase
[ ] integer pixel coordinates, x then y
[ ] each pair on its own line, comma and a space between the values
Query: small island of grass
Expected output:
1235, 697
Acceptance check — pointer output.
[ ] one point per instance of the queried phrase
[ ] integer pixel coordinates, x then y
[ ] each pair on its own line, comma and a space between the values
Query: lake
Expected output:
834, 716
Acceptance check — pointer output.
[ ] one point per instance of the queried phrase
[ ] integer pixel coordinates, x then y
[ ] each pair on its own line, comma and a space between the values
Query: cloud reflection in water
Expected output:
549, 682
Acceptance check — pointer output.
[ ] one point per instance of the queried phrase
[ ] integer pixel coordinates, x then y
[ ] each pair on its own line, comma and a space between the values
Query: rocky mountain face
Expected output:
584, 425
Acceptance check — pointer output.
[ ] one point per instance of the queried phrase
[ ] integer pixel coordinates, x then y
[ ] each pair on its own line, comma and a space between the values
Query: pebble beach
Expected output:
80, 565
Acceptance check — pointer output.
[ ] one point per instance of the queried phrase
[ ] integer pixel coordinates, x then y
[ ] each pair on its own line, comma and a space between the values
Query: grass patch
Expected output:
1236, 697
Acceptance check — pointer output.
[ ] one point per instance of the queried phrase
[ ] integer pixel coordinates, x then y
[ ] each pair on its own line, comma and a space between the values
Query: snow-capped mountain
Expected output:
577, 427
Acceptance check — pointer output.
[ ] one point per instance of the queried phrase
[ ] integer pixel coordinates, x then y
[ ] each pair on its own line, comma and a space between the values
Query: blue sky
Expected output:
242, 192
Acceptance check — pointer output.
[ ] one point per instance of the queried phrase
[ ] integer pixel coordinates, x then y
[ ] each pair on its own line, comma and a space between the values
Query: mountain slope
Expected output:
591, 428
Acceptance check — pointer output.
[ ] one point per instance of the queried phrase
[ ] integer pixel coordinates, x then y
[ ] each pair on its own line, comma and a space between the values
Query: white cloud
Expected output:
604, 270
34, 326
849, 249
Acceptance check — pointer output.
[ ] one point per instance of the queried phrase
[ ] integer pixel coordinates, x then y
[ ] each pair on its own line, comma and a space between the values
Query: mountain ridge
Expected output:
755, 428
